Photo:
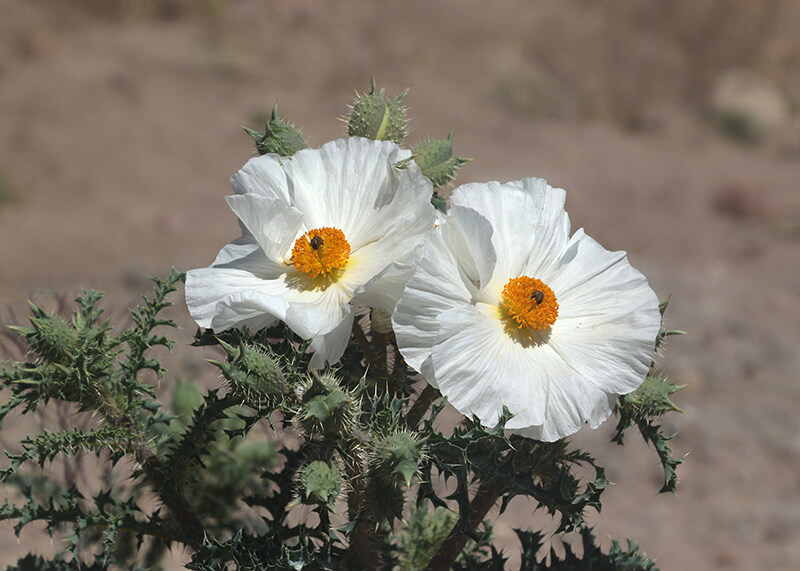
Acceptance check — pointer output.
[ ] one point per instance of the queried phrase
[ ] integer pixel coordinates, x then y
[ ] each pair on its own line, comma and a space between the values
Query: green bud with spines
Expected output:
327, 408
376, 117
651, 399
437, 161
279, 137
52, 338
396, 458
253, 373
321, 483
393, 463
427, 530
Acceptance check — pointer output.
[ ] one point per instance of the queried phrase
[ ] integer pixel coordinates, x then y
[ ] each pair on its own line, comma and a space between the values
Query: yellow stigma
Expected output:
530, 302
320, 252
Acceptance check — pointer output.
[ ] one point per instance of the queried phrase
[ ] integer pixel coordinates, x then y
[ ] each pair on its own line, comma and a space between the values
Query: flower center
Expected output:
320, 251
530, 302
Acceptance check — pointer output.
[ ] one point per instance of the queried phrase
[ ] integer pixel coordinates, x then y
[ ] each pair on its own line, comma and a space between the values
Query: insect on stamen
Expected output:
538, 296
317, 242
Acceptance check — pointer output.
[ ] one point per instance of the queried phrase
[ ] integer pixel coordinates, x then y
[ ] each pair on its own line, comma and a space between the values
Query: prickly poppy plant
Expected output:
357, 303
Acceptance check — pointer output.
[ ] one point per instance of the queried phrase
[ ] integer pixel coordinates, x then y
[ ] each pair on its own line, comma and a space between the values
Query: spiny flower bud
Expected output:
396, 458
651, 399
394, 462
321, 483
375, 117
52, 338
328, 409
279, 137
437, 161
426, 532
253, 374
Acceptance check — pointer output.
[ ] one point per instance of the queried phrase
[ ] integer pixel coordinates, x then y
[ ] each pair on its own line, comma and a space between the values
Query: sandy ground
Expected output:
119, 128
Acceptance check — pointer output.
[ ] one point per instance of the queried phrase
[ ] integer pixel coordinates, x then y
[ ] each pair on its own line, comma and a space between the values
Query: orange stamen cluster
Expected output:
530, 302
320, 252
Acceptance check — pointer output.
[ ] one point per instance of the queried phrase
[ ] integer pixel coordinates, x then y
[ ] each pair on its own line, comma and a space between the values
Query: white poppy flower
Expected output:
319, 228
505, 308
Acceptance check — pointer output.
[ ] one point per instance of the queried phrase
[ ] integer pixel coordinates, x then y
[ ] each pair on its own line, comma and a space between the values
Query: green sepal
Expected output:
439, 203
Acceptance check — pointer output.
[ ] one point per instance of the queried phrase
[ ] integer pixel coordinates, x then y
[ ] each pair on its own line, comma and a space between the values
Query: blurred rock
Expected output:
748, 106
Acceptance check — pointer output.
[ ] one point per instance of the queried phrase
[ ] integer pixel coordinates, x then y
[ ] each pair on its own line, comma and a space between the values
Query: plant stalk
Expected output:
421, 406
484, 499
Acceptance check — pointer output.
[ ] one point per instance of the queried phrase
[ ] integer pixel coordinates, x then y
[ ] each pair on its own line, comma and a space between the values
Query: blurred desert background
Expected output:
673, 125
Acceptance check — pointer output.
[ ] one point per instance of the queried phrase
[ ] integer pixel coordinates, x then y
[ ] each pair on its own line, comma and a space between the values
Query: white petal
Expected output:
315, 312
241, 267
331, 346
245, 253
468, 234
244, 308
351, 184
481, 369
608, 317
264, 176
383, 290
273, 224
435, 287
529, 222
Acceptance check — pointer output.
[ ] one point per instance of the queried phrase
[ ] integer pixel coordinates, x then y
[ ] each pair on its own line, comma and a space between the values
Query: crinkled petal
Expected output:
469, 236
352, 184
481, 369
240, 269
435, 287
274, 224
529, 221
383, 290
264, 176
330, 347
608, 317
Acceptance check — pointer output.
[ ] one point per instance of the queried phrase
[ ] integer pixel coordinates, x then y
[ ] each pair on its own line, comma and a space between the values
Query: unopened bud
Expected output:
321, 482
437, 161
375, 117
397, 458
52, 338
327, 408
252, 373
279, 137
